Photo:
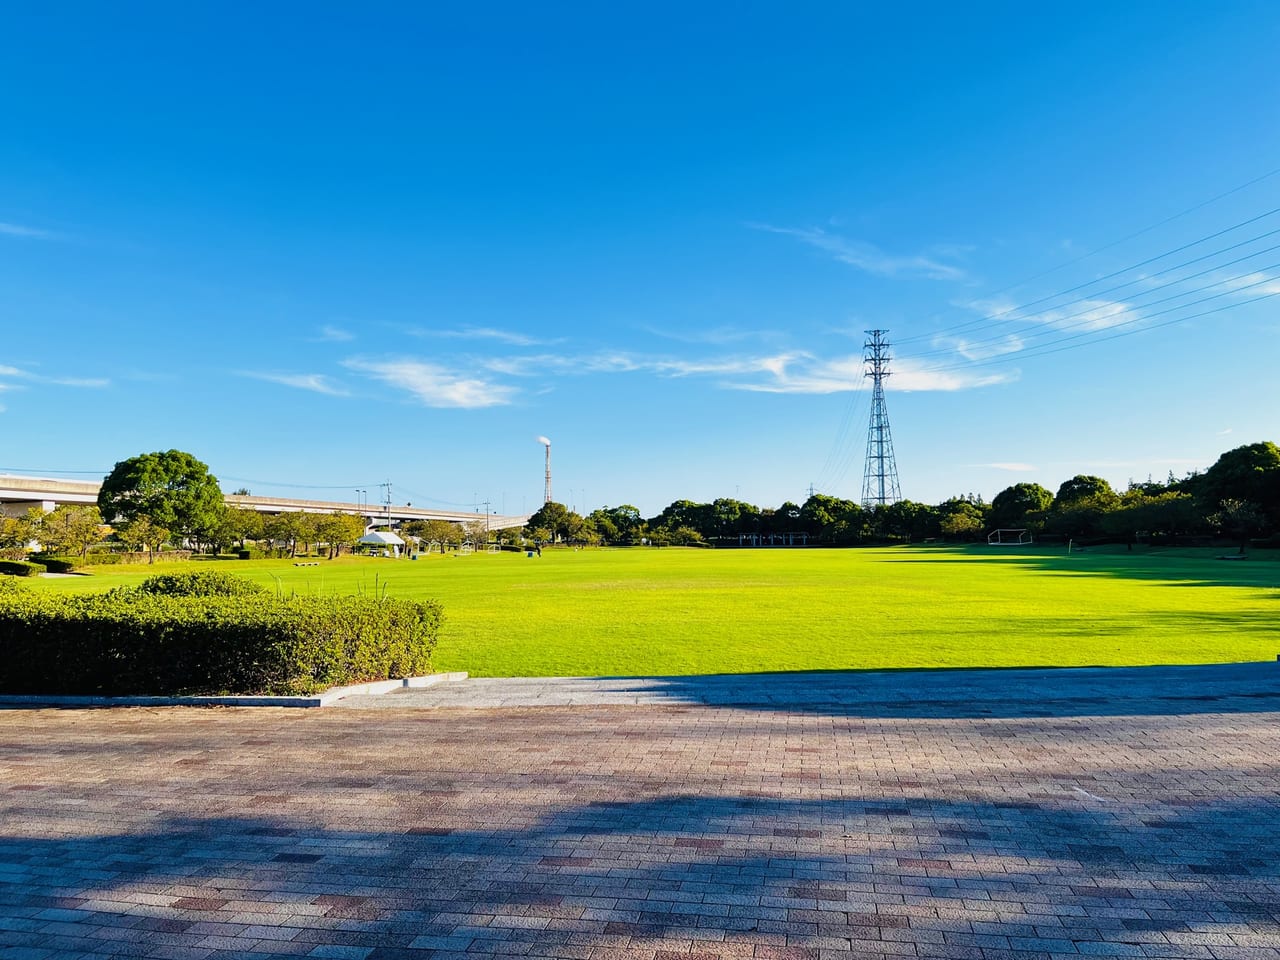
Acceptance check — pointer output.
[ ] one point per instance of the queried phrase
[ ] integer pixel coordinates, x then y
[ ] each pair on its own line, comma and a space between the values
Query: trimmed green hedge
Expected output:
139, 642
100, 558
56, 564
200, 583
21, 568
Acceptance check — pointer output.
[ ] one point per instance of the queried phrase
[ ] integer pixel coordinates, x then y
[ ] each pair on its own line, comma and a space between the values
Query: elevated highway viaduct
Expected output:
20, 494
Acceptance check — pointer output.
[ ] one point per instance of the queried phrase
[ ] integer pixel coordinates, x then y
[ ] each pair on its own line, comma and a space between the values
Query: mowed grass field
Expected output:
685, 611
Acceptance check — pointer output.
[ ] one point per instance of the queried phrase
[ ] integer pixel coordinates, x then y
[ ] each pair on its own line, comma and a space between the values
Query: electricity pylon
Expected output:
880, 478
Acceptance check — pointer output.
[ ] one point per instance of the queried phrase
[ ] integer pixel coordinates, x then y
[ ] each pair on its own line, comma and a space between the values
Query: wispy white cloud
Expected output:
846, 373
545, 364
867, 257
433, 385
982, 348
775, 365
17, 373
783, 372
1011, 467
1085, 315
19, 230
618, 361
1254, 284
331, 334
315, 382
508, 337
716, 336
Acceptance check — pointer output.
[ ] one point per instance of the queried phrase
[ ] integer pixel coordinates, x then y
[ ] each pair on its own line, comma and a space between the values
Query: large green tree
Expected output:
1239, 519
554, 521
15, 534
241, 525
962, 518
1084, 487
287, 529
1250, 473
442, 532
141, 533
339, 530
1019, 506
70, 529
1165, 515
907, 520
172, 489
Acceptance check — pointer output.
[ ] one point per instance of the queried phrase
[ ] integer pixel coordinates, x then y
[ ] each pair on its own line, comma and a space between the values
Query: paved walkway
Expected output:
1232, 686
674, 829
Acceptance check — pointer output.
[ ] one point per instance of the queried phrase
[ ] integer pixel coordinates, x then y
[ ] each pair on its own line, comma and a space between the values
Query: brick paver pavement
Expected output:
652, 832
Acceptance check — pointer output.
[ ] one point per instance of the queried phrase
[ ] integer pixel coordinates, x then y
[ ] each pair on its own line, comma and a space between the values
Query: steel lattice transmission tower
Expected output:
880, 479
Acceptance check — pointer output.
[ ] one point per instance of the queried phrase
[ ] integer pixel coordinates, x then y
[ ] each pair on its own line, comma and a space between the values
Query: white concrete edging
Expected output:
332, 695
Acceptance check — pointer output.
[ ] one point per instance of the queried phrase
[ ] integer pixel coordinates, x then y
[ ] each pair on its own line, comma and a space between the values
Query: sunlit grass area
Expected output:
685, 611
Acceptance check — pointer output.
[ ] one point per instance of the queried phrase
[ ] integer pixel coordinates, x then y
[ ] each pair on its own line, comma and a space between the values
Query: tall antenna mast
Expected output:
546, 493
880, 479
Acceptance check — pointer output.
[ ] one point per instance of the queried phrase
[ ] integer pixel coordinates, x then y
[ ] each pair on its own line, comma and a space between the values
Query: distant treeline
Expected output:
1238, 498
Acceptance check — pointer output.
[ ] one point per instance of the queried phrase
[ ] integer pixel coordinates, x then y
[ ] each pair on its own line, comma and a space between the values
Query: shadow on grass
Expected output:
1192, 567
661, 873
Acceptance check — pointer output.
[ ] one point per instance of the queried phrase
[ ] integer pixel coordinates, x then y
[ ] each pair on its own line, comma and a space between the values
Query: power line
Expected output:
1137, 233
979, 321
1044, 348
421, 497
841, 451
1060, 324
1156, 326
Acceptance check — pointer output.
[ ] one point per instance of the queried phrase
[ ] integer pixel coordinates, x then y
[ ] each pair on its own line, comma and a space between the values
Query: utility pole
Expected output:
880, 478
386, 496
486, 521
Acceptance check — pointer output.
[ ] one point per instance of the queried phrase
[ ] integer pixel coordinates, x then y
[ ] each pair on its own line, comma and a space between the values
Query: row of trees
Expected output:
68, 530
1239, 496
170, 497
157, 498
71, 530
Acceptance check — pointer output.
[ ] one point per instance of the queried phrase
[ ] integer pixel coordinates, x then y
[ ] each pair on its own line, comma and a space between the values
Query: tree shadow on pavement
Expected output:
719, 876
1003, 692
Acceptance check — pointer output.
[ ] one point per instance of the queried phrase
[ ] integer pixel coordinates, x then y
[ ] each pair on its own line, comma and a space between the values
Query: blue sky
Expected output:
320, 246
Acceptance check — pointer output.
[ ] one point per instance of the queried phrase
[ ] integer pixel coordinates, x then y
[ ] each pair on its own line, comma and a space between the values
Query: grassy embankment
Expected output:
673, 611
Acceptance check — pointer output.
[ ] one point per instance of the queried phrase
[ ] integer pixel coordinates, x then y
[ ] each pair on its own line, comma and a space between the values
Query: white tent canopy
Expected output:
382, 538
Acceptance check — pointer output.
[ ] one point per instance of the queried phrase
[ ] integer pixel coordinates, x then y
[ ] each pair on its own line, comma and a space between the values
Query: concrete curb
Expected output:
332, 695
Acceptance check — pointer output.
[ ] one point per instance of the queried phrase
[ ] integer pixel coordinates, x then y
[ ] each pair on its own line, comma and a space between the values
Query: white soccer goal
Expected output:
1008, 538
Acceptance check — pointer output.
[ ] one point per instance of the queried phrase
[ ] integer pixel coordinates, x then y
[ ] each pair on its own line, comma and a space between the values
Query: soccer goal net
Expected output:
1007, 538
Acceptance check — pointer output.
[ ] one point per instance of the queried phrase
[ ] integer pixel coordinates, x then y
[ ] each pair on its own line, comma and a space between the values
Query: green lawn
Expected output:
674, 611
